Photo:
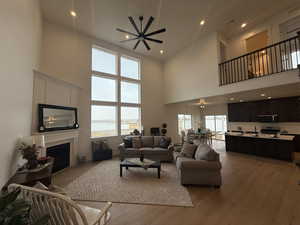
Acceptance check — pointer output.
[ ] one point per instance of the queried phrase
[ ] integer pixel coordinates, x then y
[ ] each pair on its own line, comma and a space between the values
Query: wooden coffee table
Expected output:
125, 163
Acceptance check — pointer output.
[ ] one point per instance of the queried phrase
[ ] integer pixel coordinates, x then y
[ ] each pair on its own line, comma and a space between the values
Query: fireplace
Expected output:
61, 154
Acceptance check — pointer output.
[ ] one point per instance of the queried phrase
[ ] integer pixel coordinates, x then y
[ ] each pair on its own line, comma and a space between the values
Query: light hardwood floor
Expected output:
255, 191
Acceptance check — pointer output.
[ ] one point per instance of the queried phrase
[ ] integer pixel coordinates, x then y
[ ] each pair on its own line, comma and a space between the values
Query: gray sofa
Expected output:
151, 149
198, 171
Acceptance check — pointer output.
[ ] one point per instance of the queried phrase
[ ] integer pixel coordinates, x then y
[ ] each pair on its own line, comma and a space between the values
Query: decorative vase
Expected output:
32, 164
164, 129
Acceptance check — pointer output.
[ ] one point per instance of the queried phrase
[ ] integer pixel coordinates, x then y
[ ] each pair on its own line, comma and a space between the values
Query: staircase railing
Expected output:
280, 57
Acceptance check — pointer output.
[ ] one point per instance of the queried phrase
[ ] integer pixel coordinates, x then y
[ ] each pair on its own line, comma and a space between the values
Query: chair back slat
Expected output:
62, 210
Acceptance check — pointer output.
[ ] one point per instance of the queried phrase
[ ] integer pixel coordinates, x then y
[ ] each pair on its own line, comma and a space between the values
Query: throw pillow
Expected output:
205, 152
164, 142
136, 142
127, 142
188, 150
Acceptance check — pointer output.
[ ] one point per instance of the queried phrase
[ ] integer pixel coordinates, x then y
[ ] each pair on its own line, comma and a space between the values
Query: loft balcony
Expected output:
277, 58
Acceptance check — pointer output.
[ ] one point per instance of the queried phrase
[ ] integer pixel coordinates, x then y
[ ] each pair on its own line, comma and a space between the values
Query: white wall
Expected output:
172, 110
236, 46
51, 91
20, 25
192, 72
66, 54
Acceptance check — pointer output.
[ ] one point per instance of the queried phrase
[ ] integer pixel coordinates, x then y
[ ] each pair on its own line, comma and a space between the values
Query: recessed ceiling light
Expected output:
231, 99
127, 36
73, 13
243, 25
202, 22
269, 97
161, 51
262, 95
241, 100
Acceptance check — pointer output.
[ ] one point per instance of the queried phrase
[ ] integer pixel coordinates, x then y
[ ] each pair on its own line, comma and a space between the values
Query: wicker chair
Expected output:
62, 210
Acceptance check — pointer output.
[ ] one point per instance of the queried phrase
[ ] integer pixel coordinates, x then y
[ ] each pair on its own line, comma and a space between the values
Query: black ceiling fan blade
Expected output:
154, 40
136, 44
146, 44
148, 24
133, 24
156, 32
127, 32
131, 39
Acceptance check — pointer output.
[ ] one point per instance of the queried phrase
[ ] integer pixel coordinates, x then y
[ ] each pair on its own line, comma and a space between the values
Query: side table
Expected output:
30, 179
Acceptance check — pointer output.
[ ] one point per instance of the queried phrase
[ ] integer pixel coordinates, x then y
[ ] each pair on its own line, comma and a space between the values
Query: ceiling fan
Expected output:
142, 35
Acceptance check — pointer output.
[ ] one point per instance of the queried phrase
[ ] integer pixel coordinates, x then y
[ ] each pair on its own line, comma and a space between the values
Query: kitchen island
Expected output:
264, 145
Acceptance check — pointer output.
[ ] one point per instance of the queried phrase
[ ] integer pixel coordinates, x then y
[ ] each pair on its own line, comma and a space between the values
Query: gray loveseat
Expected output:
151, 148
203, 169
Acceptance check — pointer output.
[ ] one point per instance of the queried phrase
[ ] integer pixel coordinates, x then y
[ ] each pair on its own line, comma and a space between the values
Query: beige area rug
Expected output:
103, 183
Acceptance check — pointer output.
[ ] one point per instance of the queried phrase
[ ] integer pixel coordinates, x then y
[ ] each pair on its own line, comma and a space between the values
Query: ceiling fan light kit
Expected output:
141, 34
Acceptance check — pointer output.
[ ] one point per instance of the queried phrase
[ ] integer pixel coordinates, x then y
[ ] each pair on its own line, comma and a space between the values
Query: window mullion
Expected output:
101, 70
119, 94
104, 75
104, 103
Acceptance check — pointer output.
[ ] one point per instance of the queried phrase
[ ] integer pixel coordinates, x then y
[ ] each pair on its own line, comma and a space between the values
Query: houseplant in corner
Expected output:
30, 149
16, 211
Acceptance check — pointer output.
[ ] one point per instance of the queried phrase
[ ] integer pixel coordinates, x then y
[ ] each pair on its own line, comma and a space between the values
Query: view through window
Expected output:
115, 95
216, 123
184, 122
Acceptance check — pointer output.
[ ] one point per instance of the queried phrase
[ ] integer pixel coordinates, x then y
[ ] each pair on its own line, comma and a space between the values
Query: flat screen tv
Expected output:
53, 118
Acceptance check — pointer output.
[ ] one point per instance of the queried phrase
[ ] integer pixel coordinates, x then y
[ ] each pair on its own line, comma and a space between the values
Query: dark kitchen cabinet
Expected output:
239, 112
263, 147
287, 109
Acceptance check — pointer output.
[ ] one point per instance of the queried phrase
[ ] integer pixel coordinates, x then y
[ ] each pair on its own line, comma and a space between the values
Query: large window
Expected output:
216, 123
130, 68
130, 92
104, 121
104, 89
115, 94
184, 122
104, 61
130, 119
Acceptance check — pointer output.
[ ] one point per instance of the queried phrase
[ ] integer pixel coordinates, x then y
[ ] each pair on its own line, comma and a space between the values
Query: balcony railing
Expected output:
280, 57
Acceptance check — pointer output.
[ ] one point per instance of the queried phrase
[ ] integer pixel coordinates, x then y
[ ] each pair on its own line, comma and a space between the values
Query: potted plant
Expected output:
30, 150
16, 211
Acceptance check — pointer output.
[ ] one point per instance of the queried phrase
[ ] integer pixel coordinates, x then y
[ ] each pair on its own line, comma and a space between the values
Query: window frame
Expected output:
214, 116
116, 119
104, 77
139, 91
133, 59
183, 114
109, 52
140, 117
118, 78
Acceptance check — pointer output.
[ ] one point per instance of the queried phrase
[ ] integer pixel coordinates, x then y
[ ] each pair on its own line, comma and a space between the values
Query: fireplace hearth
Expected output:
61, 155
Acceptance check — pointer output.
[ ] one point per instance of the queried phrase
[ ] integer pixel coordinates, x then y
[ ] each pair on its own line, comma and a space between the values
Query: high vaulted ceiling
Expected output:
181, 18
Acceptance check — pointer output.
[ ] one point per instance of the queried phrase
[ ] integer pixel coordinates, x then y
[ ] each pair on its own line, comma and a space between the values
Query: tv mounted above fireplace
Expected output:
53, 118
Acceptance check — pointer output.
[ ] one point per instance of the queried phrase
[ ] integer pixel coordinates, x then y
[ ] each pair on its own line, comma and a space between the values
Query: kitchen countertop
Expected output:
265, 136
